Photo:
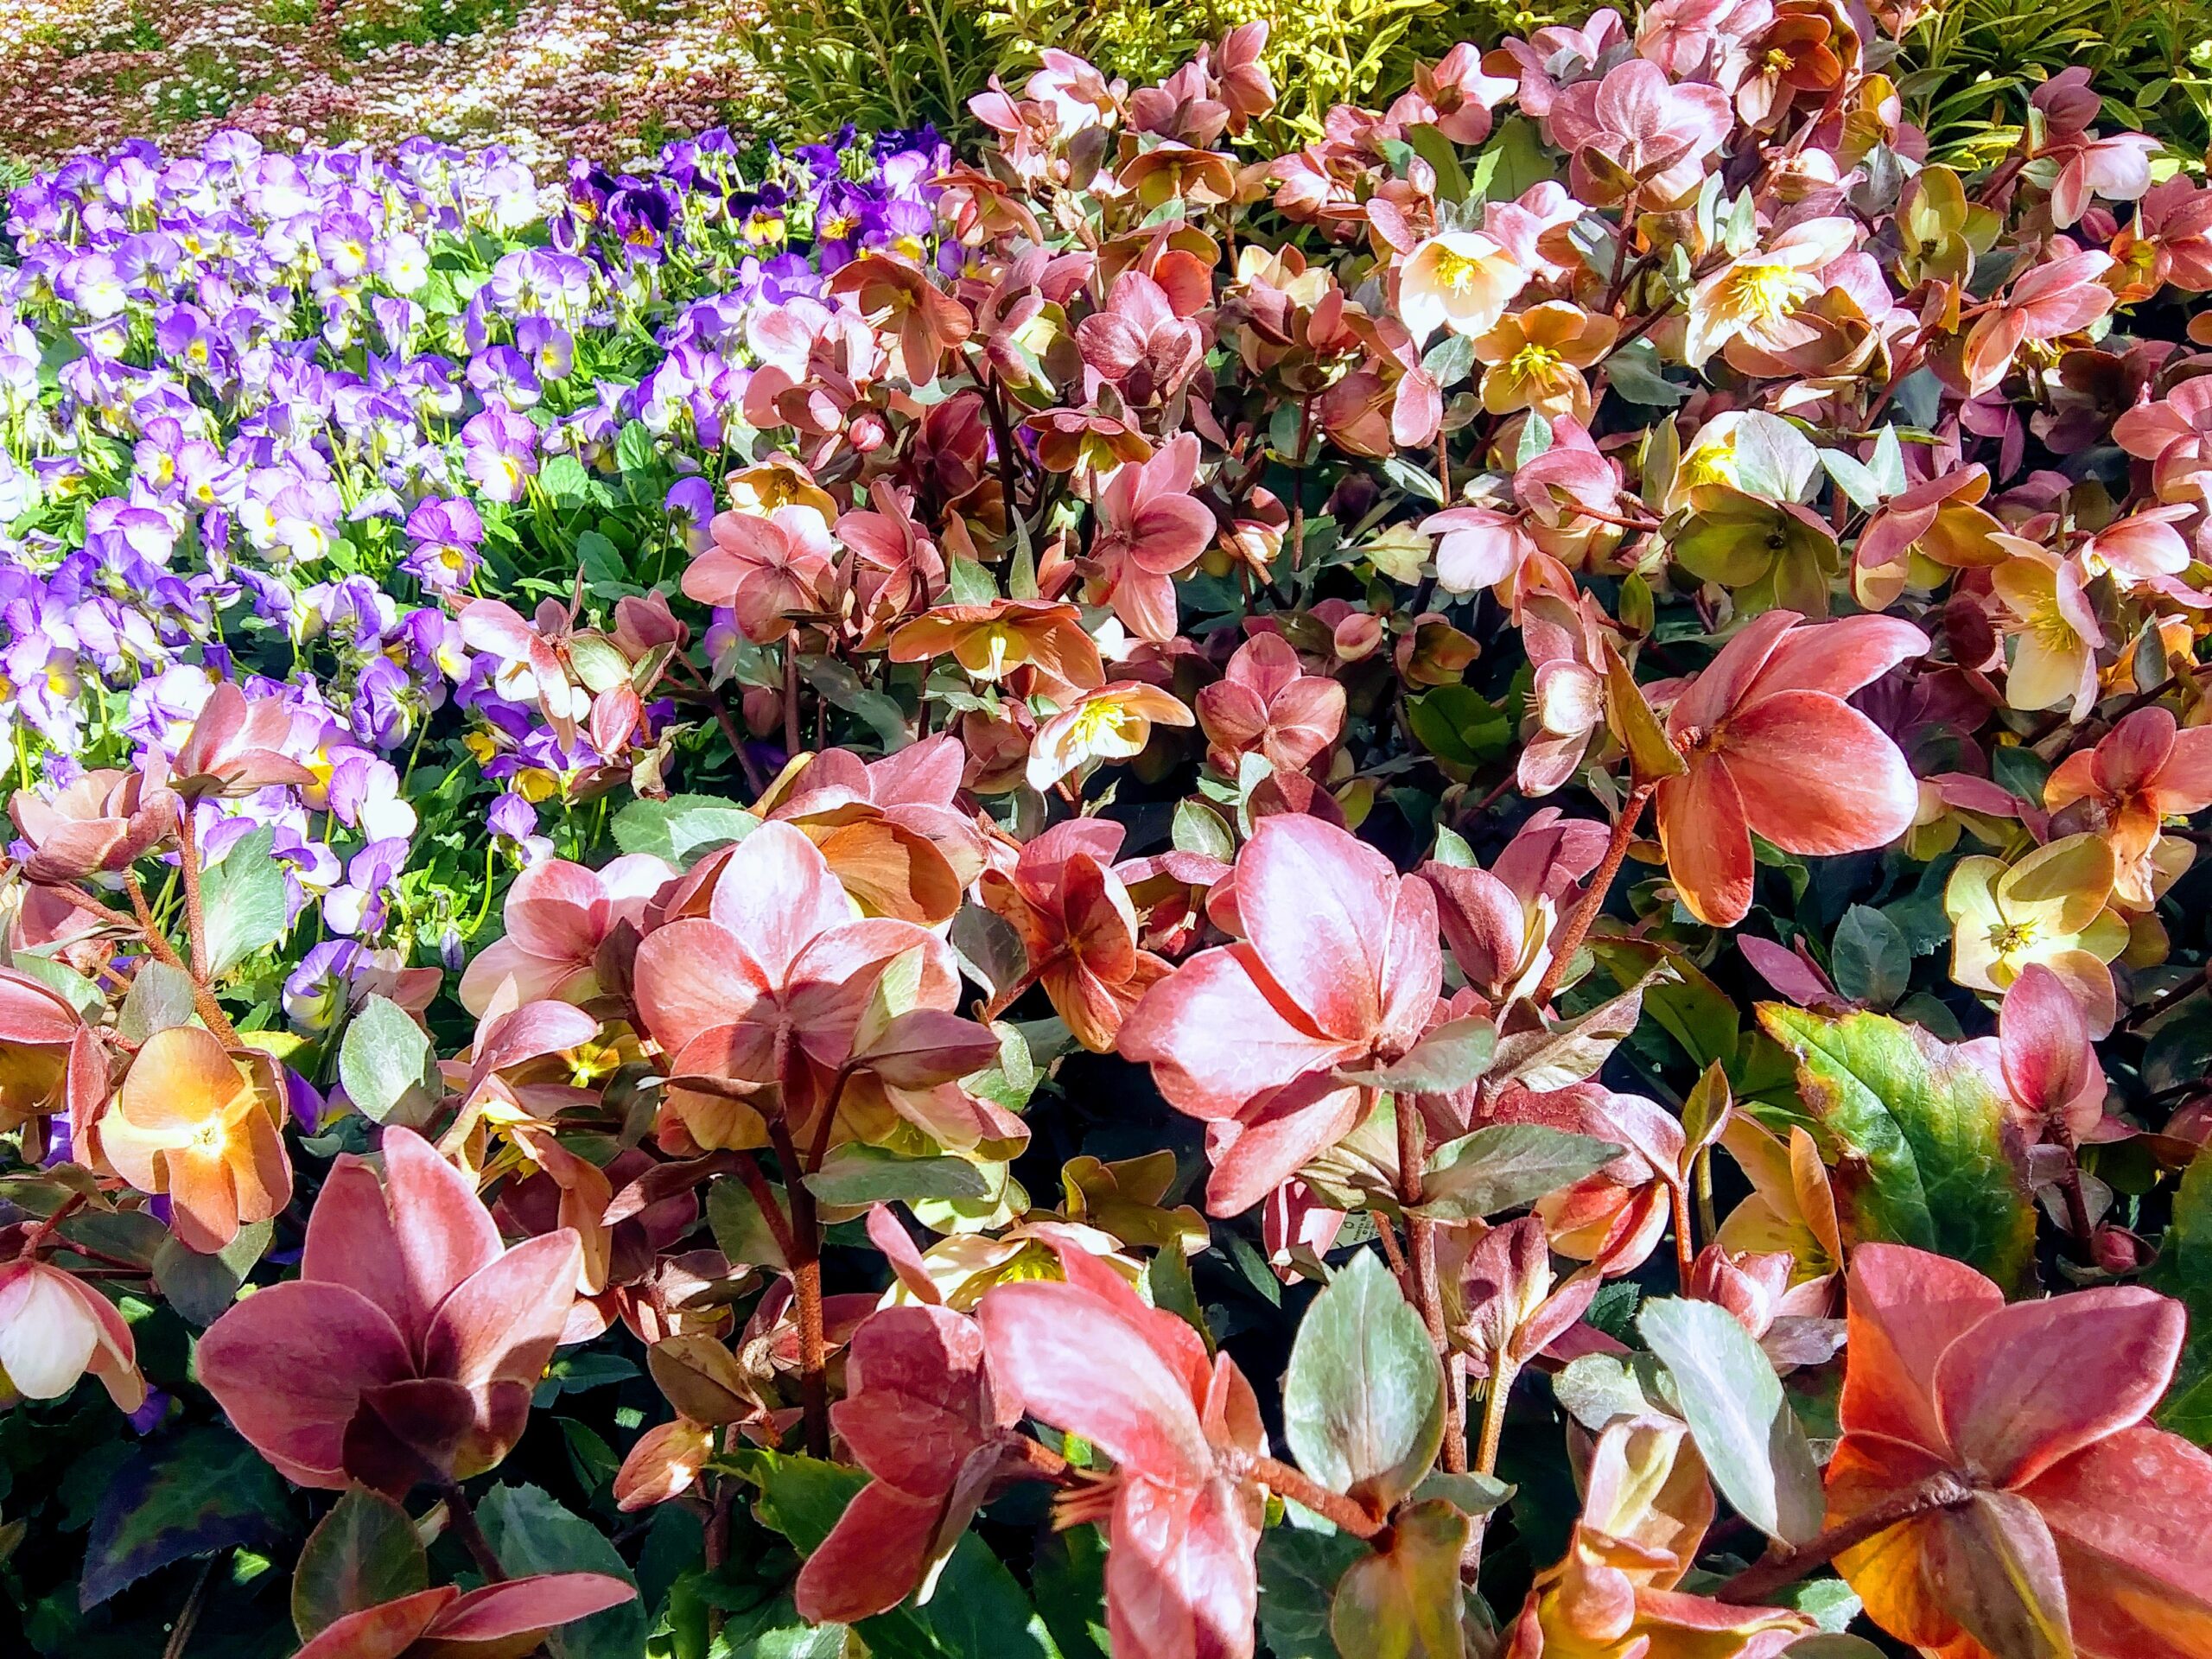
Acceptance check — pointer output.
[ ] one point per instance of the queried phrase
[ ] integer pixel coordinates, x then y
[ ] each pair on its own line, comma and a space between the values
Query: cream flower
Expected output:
1461, 281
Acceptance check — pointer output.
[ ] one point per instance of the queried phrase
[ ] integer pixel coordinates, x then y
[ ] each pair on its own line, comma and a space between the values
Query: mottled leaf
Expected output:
1363, 1399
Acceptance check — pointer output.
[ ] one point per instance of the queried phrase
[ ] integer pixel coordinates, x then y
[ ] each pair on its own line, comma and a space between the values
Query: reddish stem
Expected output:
805, 1258
1593, 899
1942, 1490
1285, 1482
195, 918
1420, 1261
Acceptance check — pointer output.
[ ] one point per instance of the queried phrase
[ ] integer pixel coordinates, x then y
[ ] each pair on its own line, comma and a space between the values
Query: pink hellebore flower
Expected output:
236, 747
764, 568
1633, 133
2042, 1061
923, 1415
558, 914
2073, 1513
1772, 748
1183, 1520
1268, 705
1340, 966
1150, 529
2143, 771
407, 1349
2046, 302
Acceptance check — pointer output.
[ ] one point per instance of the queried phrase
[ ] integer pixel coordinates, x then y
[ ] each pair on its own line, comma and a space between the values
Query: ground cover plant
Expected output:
1432, 891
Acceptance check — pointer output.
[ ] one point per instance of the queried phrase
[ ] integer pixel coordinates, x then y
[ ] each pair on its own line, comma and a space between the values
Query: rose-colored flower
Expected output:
1150, 530
107, 820
558, 915
407, 1349
765, 569
1183, 1519
924, 1414
1634, 135
2068, 1513
1266, 704
1078, 927
489, 1622
1340, 967
2143, 771
1772, 749
50, 1059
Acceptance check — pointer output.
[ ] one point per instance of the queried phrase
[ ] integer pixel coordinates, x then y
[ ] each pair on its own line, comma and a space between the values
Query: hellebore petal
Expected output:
288, 1366
2038, 1382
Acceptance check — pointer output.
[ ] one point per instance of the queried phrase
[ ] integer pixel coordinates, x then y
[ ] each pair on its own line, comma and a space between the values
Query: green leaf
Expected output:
201, 1287
683, 829
1198, 829
1512, 162
1362, 1402
634, 451
1299, 1574
1403, 1601
243, 899
1918, 1135
978, 1611
1443, 154
1871, 960
530, 1533
565, 482
362, 1554
1068, 1579
2184, 1270
183, 1495
843, 688
75, 989
601, 559
742, 1232
1633, 372
1507, 1164
854, 1175
1451, 1057
1743, 1425
160, 996
387, 1065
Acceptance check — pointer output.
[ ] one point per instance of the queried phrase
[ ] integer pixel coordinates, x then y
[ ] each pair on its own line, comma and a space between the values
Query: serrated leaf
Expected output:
530, 1533
1504, 1165
1917, 1135
387, 1065
1363, 1401
1750, 1438
363, 1553
243, 899
183, 1495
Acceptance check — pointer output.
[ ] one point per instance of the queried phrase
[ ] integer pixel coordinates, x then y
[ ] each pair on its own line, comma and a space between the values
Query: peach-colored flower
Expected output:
1535, 359
192, 1122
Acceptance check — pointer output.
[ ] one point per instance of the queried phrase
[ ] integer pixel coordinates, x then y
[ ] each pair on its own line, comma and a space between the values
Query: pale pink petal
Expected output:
1818, 777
